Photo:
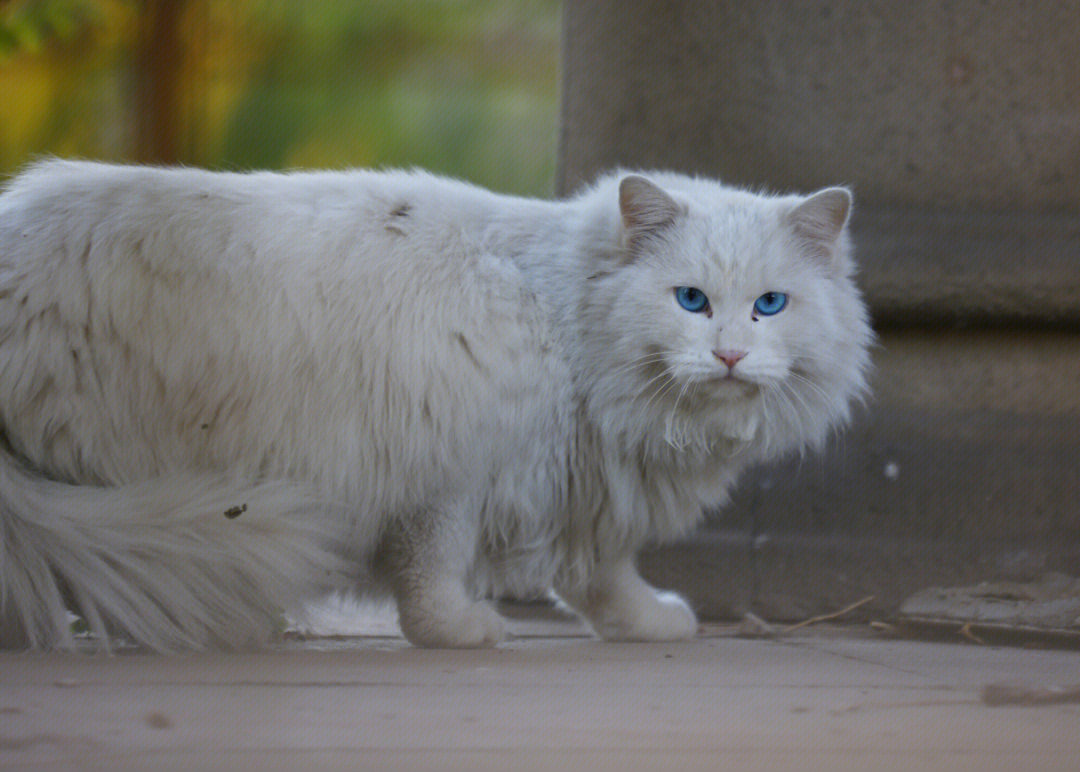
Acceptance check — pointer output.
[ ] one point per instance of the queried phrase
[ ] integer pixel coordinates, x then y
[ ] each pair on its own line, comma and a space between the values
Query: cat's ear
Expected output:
645, 208
820, 219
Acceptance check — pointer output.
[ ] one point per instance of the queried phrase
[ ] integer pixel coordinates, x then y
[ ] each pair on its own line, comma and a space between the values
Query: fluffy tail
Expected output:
174, 563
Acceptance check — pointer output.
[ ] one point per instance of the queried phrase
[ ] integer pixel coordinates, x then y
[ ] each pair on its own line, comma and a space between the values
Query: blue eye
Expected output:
770, 303
692, 299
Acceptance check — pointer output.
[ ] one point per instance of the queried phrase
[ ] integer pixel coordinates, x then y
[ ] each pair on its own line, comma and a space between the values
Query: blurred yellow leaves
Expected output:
465, 87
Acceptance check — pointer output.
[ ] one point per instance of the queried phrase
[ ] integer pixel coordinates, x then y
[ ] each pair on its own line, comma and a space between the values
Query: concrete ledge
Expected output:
820, 699
788, 577
972, 268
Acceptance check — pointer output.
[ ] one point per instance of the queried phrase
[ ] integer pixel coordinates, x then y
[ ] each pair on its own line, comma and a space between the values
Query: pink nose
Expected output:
729, 357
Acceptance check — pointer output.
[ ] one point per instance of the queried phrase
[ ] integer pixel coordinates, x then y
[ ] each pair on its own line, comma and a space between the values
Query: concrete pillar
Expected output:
957, 123
940, 104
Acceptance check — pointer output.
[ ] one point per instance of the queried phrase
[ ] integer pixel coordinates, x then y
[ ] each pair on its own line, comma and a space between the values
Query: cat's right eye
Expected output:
692, 299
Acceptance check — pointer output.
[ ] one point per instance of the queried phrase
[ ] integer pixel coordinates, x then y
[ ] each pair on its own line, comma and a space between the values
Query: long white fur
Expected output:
380, 361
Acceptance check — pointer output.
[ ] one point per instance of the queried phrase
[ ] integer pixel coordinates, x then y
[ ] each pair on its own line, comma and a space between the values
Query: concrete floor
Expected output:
550, 698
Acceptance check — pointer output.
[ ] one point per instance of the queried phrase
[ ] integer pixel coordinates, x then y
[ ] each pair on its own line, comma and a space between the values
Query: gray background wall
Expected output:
958, 126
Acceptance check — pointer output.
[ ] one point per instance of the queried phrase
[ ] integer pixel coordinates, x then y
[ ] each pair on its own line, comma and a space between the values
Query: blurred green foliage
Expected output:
26, 26
462, 87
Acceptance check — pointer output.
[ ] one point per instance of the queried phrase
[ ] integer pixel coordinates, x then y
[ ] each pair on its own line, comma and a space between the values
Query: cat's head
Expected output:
725, 313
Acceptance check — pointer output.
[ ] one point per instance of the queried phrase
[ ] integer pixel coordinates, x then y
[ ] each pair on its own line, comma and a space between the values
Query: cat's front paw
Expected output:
477, 625
660, 616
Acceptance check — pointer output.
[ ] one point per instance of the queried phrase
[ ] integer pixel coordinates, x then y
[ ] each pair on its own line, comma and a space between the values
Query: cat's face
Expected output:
737, 308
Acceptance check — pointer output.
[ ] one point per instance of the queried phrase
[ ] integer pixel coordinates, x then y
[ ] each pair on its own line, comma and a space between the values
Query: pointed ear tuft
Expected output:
645, 208
821, 217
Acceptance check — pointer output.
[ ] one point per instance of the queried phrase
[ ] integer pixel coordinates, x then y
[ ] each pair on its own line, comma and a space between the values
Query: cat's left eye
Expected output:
692, 299
770, 303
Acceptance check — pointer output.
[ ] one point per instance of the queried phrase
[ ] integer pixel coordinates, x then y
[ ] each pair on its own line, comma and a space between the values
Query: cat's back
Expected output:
208, 216
205, 243
320, 320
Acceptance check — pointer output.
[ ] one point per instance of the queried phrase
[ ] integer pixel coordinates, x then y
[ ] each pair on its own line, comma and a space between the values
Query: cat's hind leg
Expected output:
426, 558
621, 606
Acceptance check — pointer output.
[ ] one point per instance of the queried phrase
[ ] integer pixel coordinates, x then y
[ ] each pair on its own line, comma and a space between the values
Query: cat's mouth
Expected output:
732, 385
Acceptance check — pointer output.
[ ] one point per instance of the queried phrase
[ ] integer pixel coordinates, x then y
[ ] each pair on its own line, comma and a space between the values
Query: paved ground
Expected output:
550, 698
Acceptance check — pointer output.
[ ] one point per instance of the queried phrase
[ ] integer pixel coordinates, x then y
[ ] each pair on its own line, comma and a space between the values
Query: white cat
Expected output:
221, 394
